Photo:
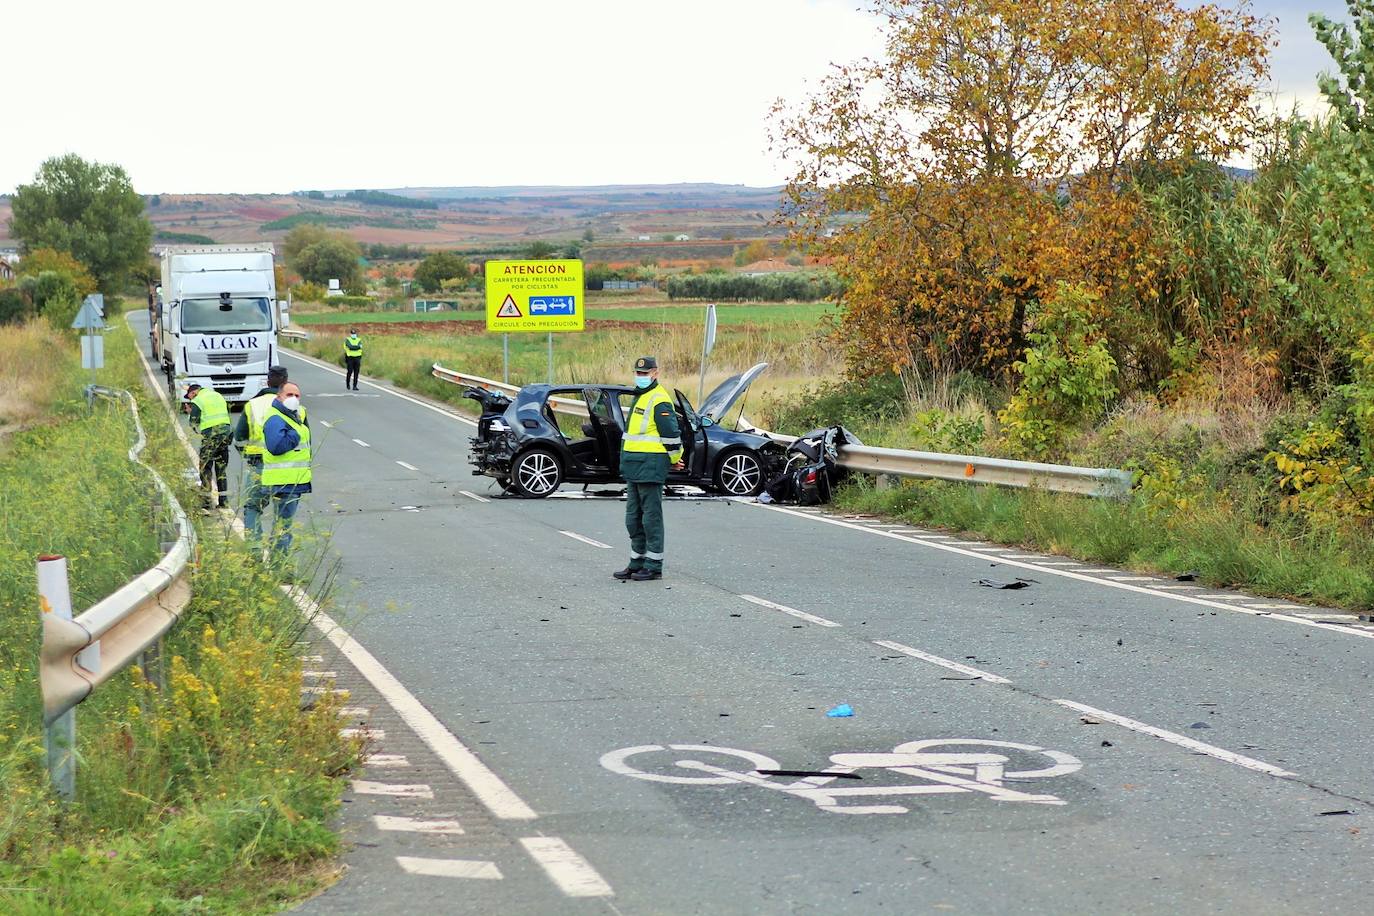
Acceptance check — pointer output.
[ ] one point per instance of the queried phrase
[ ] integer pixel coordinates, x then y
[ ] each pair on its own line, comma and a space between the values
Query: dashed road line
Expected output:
1133, 578
354, 712
408, 467
326, 424
586, 540
800, 615
1173, 738
450, 868
415, 825
386, 760
572, 873
395, 790
489, 788
474, 496
363, 731
362, 443
1081, 575
321, 675
942, 662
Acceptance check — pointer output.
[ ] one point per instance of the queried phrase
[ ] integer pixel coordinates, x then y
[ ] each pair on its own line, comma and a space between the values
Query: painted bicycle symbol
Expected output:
938, 765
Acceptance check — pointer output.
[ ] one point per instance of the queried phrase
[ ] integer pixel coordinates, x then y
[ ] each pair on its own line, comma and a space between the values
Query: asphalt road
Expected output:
1192, 742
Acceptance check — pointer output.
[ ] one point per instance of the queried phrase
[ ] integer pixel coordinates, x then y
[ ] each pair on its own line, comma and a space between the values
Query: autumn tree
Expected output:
994, 149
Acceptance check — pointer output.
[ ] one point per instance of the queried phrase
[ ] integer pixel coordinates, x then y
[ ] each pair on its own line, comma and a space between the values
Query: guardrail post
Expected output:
884, 481
55, 597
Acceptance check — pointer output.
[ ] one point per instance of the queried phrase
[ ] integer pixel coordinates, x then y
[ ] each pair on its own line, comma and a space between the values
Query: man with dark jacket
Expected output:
353, 359
248, 438
652, 443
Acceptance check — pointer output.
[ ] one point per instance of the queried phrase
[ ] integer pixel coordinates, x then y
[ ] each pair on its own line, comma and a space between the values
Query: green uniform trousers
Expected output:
644, 522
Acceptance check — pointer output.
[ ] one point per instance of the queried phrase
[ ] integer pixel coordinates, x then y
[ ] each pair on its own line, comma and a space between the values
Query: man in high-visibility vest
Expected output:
651, 444
248, 439
353, 359
210, 416
285, 462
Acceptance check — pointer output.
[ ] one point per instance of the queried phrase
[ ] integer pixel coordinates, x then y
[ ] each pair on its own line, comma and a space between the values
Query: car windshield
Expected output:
208, 316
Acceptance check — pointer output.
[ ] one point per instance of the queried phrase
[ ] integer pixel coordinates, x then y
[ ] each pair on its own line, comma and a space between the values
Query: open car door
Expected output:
693, 438
605, 429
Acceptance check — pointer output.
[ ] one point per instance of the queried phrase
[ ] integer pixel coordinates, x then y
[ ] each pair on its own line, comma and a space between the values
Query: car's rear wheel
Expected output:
537, 473
739, 473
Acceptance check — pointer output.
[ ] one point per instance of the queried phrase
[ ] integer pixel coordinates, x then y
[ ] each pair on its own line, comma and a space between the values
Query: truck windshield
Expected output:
206, 316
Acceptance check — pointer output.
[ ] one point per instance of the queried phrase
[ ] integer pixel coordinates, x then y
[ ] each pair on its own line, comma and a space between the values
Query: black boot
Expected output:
644, 575
626, 573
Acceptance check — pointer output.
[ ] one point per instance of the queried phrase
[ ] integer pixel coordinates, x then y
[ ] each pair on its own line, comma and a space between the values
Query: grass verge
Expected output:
212, 796
1218, 541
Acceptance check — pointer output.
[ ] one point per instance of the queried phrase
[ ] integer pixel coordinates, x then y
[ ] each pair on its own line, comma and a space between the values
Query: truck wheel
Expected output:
537, 473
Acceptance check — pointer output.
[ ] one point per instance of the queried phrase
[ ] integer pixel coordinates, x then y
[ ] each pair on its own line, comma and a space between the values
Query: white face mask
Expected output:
291, 403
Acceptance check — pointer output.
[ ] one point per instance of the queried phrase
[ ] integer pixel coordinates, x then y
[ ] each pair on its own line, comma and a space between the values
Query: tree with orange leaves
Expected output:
994, 149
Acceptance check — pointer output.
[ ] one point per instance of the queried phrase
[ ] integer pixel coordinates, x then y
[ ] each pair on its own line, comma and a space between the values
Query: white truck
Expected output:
217, 318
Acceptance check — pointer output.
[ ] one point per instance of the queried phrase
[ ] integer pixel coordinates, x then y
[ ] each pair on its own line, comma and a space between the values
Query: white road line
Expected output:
395, 394
363, 731
386, 760
1060, 563
1280, 607
395, 790
1315, 616
312, 659
480, 499
414, 825
330, 675
489, 788
942, 662
355, 712
408, 467
989, 549
1226, 597
1180, 588
1133, 578
800, 615
362, 443
1079, 575
450, 868
586, 540
1211, 751
320, 691
1024, 556
326, 424
572, 873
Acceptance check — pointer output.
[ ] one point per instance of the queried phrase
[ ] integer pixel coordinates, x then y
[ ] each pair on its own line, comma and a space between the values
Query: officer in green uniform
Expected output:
248, 439
652, 443
353, 359
210, 415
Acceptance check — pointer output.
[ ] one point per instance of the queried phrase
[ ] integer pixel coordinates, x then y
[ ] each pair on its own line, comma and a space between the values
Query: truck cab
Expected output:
218, 318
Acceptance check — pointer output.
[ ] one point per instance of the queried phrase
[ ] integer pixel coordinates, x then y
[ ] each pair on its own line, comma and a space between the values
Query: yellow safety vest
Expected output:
353, 346
256, 412
294, 466
641, 433
214, 410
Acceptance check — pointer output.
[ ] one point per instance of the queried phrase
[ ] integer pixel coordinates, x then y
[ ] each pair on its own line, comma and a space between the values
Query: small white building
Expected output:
644, 238
682, 238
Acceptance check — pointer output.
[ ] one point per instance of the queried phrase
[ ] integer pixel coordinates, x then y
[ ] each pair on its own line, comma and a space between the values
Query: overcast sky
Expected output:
255, 96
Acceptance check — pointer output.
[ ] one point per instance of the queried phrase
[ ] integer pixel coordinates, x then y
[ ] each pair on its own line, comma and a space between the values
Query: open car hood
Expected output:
719, 402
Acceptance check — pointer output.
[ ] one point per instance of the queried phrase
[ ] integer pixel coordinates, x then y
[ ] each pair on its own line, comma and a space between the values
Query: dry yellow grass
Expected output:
35, 368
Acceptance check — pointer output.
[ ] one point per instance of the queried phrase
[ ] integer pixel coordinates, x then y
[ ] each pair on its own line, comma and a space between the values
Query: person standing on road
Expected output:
651, 443
285, 462
353, 359
249, 441
210, 416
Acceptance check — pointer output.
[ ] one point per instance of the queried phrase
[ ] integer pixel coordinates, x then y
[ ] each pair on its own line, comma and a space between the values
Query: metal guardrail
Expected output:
1058, 478
568, 406
294, 333
79, 654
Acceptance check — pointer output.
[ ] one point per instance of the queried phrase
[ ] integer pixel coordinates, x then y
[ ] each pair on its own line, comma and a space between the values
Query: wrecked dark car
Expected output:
548, 435
811, 469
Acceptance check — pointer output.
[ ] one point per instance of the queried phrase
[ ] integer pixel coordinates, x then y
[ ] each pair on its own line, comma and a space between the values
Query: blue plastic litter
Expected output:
843, 711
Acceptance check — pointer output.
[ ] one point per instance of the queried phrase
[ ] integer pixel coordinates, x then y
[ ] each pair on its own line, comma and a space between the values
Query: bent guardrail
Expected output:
1058, 478
78, 654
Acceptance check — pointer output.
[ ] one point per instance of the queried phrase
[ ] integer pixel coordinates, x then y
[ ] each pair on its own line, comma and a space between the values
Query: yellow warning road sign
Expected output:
535, 296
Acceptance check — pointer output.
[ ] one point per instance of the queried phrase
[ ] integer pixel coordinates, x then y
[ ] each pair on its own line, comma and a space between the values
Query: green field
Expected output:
743, 314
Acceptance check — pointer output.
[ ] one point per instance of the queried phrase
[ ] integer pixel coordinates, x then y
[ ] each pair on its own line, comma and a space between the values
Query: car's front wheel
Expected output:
537, 473
739, 473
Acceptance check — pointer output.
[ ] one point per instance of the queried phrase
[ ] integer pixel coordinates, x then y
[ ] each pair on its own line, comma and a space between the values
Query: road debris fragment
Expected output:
843, 711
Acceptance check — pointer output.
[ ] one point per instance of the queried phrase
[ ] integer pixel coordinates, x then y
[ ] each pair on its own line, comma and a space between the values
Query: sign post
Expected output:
90, 318
525, 296
708, 342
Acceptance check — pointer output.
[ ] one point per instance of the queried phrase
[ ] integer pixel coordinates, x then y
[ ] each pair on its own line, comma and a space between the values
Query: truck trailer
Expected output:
217, 318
